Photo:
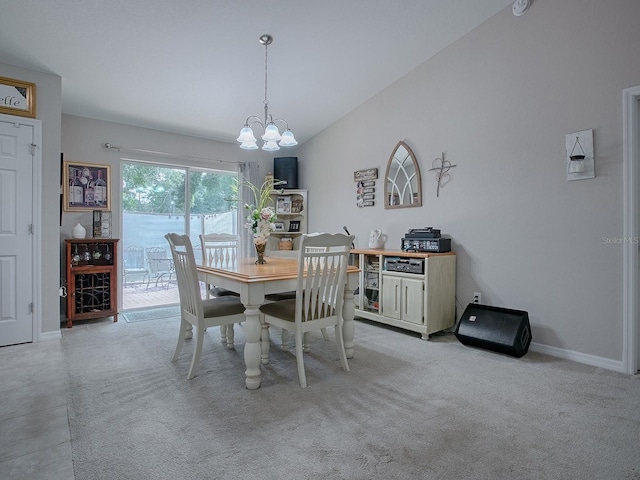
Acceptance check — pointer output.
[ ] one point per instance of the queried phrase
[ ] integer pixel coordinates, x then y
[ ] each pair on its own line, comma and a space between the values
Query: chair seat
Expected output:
276, 297
222, 292
222, 306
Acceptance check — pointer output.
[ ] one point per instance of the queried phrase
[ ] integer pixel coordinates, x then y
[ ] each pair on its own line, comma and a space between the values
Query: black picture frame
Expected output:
294, 226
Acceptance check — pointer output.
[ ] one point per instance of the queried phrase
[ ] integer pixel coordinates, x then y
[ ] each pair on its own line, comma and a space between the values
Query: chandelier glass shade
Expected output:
272, 138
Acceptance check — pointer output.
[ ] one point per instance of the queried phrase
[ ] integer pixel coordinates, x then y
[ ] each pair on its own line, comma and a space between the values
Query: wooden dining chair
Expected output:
322, 265
196, 312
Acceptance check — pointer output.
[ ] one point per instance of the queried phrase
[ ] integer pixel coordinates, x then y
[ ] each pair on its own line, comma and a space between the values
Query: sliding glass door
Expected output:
157, 199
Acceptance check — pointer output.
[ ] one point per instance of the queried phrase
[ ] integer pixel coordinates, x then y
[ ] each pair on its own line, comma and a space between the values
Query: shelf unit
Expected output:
419, 302
92, 279
291, 206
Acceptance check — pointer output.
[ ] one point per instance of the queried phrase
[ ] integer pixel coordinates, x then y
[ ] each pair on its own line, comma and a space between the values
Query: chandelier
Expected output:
271, 135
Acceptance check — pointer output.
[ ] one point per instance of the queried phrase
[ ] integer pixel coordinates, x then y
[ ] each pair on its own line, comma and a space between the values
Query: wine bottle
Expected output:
76, 190
89, 196
100, 191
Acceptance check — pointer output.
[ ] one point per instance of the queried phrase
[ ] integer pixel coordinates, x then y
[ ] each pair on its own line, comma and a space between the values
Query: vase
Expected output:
79, 231
260, 249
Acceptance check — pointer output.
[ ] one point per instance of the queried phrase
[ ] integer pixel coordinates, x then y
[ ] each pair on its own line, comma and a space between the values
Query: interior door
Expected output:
16, 237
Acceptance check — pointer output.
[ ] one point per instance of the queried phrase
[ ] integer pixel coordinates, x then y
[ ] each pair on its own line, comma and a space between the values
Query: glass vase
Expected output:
260, 249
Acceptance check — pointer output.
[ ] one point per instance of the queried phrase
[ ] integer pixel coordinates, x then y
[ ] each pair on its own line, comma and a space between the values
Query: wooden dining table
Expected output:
253, 282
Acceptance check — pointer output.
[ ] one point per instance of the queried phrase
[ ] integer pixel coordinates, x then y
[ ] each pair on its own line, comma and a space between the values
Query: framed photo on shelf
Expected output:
283, 204
86, 186
278, 226
294, 226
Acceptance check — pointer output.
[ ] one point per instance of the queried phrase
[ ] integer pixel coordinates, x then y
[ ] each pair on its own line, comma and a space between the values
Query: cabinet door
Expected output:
391, 296
412, 300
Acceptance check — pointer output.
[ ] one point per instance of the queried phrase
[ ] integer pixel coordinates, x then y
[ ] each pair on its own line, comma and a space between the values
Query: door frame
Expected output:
631, 210
36, 180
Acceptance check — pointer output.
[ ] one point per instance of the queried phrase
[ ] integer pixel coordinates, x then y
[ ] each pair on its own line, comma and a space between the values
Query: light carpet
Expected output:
409, 409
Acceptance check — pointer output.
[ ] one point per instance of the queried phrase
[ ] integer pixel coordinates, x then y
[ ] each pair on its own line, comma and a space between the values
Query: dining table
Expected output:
253, 282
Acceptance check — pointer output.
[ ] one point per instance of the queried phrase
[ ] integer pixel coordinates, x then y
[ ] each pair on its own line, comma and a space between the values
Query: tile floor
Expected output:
35, 442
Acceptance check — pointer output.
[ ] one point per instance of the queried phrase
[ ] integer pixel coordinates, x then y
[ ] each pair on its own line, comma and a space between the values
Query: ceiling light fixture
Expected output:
271, 135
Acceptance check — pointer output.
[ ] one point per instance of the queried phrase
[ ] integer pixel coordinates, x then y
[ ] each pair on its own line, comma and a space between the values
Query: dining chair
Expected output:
196, 312
322, 265
220, 250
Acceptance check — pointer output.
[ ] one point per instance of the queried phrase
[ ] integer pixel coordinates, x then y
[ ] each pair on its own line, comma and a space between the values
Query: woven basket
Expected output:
285, 245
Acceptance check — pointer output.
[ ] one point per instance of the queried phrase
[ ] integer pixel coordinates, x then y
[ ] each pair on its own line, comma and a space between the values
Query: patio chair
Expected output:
159, 265
133, 264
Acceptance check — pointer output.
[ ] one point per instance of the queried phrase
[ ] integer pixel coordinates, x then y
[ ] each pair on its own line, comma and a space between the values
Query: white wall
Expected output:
48, 107
499, 103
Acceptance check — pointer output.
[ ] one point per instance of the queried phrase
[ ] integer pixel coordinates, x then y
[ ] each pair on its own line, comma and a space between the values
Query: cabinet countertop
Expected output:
398, 253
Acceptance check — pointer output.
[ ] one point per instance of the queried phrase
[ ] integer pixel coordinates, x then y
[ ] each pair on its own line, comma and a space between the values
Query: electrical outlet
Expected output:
477, 297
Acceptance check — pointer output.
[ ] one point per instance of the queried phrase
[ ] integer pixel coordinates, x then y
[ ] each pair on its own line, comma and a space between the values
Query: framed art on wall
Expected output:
86, 186
17, 97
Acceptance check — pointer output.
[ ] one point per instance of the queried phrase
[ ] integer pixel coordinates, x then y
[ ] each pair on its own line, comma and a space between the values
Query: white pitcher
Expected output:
375, 239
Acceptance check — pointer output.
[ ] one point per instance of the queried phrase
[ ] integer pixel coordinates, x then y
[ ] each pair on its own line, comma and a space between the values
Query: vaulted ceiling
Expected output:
196, 67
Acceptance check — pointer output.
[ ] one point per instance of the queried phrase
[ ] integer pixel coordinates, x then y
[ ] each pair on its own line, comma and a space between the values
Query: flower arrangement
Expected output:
261, 214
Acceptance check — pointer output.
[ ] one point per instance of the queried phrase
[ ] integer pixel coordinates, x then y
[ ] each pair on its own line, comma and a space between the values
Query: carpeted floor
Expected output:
145, 315
409, 409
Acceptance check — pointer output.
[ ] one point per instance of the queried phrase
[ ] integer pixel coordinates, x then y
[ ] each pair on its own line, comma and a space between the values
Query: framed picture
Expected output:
294, 226
17, 97
278, 226
283, 204
86, 186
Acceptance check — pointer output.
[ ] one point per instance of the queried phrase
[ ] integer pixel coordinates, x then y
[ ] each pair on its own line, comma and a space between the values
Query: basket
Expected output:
285, 245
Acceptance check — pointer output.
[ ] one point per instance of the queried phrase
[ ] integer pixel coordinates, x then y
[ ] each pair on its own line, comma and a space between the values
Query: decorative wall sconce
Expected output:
580, 160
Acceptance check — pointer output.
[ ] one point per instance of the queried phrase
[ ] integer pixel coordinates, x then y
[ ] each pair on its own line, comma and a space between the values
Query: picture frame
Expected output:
294, 226
283, 204
17, 97
86, 186
278, 226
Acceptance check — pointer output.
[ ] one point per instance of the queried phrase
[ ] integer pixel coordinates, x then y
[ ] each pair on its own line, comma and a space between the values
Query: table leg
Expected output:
252, 347
348, 326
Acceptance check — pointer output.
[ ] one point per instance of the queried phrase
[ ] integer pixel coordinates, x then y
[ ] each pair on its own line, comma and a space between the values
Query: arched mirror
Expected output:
403, 186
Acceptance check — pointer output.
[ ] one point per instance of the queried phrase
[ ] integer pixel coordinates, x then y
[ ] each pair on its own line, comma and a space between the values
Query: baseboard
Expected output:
45, 336
584, 358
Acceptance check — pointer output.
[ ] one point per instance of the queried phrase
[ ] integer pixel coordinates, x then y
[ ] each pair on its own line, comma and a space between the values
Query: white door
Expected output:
412, 300
16, 238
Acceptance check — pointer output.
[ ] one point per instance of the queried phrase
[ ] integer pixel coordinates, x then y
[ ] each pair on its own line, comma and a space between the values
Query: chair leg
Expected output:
300, 359
196, 353
285, 339
223, 334
181, 335
306, 342
189, 334
325, 335
341, 351
230, 335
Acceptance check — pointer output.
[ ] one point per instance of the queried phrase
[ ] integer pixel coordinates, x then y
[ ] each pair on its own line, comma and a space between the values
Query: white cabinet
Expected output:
402, 298
421, 300
291, 220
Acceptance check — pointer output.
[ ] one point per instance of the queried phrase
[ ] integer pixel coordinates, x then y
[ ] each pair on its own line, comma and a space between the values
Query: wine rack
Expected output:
92, 277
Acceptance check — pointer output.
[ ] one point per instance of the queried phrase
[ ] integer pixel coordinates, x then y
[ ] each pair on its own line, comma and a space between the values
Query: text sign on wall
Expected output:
17, 98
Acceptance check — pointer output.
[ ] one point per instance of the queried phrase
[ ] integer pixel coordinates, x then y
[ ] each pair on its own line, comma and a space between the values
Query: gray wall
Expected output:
499, 103
48, 109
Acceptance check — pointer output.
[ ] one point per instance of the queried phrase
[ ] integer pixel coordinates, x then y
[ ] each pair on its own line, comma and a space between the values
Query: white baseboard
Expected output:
45, 336
584, 358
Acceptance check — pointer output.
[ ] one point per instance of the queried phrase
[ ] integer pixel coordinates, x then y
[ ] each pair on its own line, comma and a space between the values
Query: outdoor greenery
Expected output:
155, 189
